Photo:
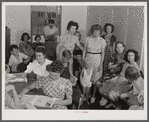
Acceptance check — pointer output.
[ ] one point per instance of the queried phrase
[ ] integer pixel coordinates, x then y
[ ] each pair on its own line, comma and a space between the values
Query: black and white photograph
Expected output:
74, 61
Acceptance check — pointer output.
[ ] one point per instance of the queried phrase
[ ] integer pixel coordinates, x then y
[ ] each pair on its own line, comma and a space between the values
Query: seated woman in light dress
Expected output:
54, 86
38, 66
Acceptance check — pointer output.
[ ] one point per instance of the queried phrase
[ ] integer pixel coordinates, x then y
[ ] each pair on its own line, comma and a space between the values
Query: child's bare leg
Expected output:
87, 94
94, 89
84, 92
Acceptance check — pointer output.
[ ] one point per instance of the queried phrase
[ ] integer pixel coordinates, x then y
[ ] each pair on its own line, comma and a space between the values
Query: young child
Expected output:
77, 63
17, 58
85, 79
78, 34
135, 96
11, 98
37, 43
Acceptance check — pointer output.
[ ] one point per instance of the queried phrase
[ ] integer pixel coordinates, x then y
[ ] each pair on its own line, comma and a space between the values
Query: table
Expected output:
20, 85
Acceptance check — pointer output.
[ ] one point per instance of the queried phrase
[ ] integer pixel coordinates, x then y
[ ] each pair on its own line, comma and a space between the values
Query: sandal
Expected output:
92, 99
110, 105
103, 101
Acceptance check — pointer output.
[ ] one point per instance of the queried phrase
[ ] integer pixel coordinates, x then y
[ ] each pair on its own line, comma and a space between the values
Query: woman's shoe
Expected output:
92, 99
103, 101
110, 105
118, 107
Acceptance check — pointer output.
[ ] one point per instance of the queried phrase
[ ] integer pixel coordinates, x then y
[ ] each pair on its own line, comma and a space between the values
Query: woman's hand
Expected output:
9, 88
100, 67
114, 95
114, 80
20, 97
73, 80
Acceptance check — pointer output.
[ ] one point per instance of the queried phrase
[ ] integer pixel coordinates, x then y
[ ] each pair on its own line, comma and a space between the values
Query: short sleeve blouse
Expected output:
95, 46
62, 87
68, 44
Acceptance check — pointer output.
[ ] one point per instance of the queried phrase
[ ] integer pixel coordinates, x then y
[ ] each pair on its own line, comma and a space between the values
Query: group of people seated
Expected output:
100, 62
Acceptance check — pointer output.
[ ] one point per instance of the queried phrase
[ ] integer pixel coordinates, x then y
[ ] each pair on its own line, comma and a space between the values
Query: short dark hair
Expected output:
51, 21
117, 44
13, 47
132, 74
106, 25
55, 66
72, 23
67, 53
37, 36
96, 27
25, 34
40, 49
135, 53
79, 35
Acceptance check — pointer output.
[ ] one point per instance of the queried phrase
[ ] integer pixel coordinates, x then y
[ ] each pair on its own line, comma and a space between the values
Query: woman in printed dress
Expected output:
115, 66
110, 48
93, 52
67, 42
25, 45
54, 86
119, 84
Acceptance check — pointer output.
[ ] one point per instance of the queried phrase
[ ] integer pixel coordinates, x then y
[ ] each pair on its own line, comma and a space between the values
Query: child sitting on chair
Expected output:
85, 79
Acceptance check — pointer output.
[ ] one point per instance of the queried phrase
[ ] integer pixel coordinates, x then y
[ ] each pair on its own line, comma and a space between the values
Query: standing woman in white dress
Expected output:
94, 51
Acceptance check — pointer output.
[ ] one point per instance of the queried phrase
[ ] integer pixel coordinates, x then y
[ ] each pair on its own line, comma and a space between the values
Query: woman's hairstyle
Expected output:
117, 44
132, 74
132, 51
55, 66
72, 23
37, 36
67, 53
96, 27
40, 49
24, 34
79, 34
106, 25
13, 47
51, 21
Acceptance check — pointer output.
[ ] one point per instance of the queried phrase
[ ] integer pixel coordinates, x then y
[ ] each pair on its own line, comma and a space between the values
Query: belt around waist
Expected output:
50, 40
94, 53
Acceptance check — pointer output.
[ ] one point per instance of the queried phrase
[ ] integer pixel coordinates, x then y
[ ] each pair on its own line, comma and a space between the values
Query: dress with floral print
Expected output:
58, 90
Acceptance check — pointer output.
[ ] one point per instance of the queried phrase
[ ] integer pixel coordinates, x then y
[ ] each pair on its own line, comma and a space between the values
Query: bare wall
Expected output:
77, 14
18, 20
